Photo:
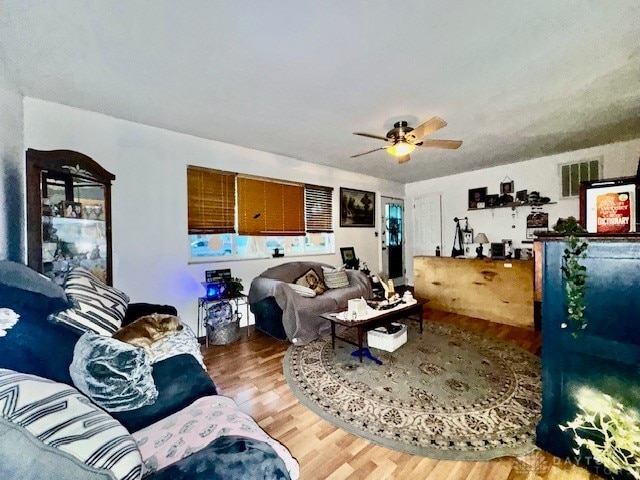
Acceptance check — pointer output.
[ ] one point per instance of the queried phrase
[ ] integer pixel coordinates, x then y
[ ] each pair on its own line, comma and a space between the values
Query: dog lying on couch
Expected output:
147, 330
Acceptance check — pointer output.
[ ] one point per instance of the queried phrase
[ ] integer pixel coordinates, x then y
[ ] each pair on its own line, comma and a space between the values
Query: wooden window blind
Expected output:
318, 207
211, 200
268, 207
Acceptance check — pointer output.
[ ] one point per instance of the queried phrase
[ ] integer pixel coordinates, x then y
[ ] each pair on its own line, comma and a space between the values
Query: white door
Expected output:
427, 223
393, 239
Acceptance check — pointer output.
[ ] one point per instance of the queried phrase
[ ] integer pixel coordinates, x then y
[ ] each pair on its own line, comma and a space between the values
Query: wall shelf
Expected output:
513, 206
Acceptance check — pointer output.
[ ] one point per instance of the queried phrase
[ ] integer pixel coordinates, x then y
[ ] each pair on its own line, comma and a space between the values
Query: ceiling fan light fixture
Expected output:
400, 149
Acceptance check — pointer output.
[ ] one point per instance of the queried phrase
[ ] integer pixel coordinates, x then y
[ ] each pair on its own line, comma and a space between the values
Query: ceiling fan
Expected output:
404, 139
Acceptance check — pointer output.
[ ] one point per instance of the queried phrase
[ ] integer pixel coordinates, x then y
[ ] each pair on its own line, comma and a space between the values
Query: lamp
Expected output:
401, 148
480, 238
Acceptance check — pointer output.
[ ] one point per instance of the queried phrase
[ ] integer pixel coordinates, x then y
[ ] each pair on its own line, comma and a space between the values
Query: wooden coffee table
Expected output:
411, 312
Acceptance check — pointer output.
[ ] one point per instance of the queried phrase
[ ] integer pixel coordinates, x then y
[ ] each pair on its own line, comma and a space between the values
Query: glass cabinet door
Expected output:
68, 214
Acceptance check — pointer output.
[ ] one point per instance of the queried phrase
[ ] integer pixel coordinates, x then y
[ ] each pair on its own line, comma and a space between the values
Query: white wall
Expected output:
12, 192
149, 197
540, 174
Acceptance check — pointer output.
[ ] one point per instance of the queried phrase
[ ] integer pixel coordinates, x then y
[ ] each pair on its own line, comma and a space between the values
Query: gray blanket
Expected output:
301, 315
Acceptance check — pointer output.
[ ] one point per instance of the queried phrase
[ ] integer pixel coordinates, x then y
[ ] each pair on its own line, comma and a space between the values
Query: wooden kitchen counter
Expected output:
497, 290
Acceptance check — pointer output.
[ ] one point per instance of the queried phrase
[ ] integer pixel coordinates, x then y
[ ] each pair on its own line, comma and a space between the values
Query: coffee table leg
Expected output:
360, 335
333, 335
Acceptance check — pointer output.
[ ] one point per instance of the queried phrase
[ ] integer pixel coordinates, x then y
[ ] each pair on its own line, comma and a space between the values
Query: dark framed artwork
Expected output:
357, 208
492, 200
477, 197
349, 257
506, 188
522, 196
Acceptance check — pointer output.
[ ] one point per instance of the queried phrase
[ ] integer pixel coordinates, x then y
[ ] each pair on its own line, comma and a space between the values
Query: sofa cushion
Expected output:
113, 374
335, 277
180, 381
37, 346
312, 280
24, 457
64, 420
230, 457
23, 287
97, 307
194, 427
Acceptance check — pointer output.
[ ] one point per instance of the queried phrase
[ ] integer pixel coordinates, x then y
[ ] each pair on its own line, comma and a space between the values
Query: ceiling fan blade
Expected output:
430, 126
404, 158
370, 135
370, 151
448, 144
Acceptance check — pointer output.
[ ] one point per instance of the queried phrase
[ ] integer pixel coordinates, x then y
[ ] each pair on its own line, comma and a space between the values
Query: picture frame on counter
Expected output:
609, 206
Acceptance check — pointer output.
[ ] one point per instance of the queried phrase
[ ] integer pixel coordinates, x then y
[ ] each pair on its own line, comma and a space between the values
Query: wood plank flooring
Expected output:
250, 372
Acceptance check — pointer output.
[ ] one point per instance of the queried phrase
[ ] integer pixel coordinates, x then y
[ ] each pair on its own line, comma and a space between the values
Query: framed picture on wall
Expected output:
492, 200
477, 197
357, 208
506, 188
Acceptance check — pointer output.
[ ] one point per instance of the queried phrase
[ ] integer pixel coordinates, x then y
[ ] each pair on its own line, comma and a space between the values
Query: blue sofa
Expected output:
36, 349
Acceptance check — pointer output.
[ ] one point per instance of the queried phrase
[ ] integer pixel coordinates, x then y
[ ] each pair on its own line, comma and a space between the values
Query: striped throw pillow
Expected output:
98, 307
335, 278
61, 418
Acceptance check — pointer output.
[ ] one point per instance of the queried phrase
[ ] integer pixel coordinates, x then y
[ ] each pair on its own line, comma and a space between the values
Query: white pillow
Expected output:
302, 290
335, 278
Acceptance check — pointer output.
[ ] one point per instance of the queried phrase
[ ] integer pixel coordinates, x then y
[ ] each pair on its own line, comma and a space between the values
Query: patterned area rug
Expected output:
450, 394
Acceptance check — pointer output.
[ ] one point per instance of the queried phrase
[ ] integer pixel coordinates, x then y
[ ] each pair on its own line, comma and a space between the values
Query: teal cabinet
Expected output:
604, 358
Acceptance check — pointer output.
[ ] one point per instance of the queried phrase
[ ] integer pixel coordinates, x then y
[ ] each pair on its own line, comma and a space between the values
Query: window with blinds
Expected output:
572, 174
211, 201
267, 207
318, 204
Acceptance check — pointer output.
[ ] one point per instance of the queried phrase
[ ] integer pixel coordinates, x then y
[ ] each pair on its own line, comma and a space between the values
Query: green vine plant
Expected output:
575, 274
609, 431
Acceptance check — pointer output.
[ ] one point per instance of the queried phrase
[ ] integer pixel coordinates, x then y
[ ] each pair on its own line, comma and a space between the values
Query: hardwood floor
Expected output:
250, 372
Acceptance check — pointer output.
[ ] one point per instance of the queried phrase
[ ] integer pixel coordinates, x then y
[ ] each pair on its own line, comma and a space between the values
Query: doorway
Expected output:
393, 240
427, 222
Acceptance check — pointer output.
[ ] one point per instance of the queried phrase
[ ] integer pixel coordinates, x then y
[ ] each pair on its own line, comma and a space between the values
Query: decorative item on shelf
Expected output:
481, 238
71, 209
522, 197
533, 198
506, 192
477, 197
493, 200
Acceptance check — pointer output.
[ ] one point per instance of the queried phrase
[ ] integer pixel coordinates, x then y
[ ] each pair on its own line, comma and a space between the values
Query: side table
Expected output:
237, 301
